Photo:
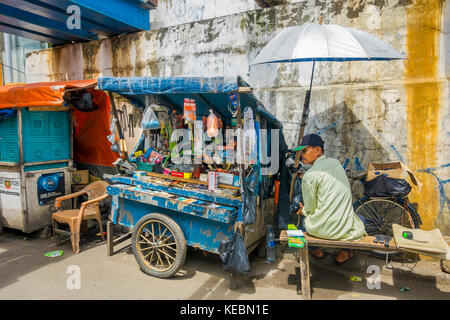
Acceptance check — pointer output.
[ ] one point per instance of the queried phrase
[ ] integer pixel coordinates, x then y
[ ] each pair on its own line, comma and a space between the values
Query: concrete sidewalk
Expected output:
26, 274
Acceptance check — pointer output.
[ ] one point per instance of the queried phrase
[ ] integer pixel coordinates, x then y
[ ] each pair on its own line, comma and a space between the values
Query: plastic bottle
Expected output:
271, 250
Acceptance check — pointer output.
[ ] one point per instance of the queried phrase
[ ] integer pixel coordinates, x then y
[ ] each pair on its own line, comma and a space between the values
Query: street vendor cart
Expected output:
168, 211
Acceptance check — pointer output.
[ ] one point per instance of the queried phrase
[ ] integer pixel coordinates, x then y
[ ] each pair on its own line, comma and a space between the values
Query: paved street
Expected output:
26, 274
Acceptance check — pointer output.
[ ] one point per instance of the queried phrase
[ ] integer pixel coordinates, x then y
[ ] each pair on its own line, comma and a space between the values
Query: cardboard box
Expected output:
80, 177
213, 180
226, 178
396, 170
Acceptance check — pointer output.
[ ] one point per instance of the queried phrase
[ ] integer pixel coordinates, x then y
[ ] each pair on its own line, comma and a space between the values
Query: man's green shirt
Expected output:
327, 203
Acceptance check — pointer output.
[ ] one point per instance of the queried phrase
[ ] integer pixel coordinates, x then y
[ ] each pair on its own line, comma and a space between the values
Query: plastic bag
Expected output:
250, 139
384, 186
297, 197
190, 110
112, 137
234, 255
149, 120
6, 113
212, 124
251, 183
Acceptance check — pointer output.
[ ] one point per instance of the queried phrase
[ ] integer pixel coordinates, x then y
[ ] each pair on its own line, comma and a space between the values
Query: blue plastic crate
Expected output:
46, 137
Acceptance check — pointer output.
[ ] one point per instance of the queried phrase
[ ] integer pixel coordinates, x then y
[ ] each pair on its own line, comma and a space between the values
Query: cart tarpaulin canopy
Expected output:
39, 94
209, 93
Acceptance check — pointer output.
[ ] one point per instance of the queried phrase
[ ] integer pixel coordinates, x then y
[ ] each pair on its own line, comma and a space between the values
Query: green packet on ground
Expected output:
53, 254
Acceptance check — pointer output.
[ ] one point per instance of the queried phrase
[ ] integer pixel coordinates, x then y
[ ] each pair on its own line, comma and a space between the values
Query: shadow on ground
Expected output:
22, 253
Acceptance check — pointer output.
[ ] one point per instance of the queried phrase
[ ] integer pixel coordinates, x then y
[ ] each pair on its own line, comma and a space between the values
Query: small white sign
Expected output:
295, 233
10, 186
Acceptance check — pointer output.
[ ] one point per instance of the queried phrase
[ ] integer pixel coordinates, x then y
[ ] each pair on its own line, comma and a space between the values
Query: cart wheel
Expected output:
158, 245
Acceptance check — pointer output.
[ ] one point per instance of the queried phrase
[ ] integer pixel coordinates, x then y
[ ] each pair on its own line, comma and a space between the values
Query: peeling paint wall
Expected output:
365, 111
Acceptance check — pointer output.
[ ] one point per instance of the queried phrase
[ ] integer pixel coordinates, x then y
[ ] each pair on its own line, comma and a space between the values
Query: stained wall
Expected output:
365, 111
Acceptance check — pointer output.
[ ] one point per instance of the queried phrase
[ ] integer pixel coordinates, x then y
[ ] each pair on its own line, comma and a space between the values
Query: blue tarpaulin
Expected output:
209, 93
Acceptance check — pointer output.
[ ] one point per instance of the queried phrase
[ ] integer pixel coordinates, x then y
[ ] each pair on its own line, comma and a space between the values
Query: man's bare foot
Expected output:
318, 253
344, 256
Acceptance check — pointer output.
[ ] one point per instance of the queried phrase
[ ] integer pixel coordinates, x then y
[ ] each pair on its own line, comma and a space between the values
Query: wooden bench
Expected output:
365, 243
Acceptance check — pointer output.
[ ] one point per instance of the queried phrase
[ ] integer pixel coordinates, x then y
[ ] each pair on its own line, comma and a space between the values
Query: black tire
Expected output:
156, 249
379, 215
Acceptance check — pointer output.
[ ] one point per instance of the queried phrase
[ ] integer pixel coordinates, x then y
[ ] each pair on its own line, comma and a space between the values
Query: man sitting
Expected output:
327, 210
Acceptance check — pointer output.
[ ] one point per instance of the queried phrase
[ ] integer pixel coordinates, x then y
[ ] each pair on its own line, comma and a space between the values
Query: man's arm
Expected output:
309, 191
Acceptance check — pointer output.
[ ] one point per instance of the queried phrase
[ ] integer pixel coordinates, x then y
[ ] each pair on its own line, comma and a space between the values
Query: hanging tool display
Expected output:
124, 118
122, 144
130, 126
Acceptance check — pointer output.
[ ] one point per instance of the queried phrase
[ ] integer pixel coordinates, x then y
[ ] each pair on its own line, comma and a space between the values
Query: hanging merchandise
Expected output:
250, 139
112, 128
232, 107
189, 110
198, 139
149, 120
212, 124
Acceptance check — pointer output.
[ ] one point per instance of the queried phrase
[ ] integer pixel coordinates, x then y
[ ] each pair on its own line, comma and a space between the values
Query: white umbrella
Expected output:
323, 42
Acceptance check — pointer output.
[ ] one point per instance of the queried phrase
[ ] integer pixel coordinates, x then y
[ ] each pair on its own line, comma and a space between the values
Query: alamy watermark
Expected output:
233, 146
374, 281
73, 22
73, 282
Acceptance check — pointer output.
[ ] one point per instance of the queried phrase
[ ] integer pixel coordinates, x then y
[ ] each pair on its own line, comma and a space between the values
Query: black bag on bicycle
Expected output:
390, 179
385, 186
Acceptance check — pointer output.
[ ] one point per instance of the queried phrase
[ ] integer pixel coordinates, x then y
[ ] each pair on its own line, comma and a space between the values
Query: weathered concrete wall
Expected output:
175, 12
366, 111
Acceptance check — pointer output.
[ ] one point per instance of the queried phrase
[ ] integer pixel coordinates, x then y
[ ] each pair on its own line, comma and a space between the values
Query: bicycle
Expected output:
380, 213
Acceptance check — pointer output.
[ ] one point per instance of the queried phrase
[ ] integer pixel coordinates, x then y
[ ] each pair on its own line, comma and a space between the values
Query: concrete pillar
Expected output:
7, 61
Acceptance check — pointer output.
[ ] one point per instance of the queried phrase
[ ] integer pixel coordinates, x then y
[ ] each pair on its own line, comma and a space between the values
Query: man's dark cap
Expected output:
312, 139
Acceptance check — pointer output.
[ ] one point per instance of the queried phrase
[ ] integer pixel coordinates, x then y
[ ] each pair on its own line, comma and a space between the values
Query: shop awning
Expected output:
39, 94
63, 21
209, 93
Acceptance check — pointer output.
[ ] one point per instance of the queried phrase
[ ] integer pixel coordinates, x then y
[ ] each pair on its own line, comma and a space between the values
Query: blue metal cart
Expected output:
164, 217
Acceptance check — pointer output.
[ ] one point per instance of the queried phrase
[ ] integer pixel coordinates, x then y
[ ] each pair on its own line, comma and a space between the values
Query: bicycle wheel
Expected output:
159, 245
379, 214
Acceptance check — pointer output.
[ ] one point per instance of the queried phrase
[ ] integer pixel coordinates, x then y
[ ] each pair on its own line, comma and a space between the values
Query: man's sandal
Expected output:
317, 253
350, 255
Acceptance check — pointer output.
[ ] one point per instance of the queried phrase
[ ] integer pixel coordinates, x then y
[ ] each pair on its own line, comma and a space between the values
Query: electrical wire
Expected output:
12, 68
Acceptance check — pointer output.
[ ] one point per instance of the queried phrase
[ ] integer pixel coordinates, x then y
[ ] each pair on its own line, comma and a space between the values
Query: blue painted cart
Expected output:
164, 217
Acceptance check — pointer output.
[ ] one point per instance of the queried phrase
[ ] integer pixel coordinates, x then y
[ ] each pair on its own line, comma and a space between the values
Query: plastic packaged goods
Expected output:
190, 108
250, 139
149, 120
212, 124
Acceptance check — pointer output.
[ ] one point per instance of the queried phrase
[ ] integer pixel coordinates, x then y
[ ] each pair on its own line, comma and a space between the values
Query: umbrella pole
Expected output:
303, 124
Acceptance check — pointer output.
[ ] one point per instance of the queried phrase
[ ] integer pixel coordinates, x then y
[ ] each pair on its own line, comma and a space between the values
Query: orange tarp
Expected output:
91, 129
40, 94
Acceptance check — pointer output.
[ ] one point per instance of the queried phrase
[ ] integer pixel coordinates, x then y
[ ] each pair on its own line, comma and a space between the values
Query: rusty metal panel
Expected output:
201, 208
191, 193
205, 234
